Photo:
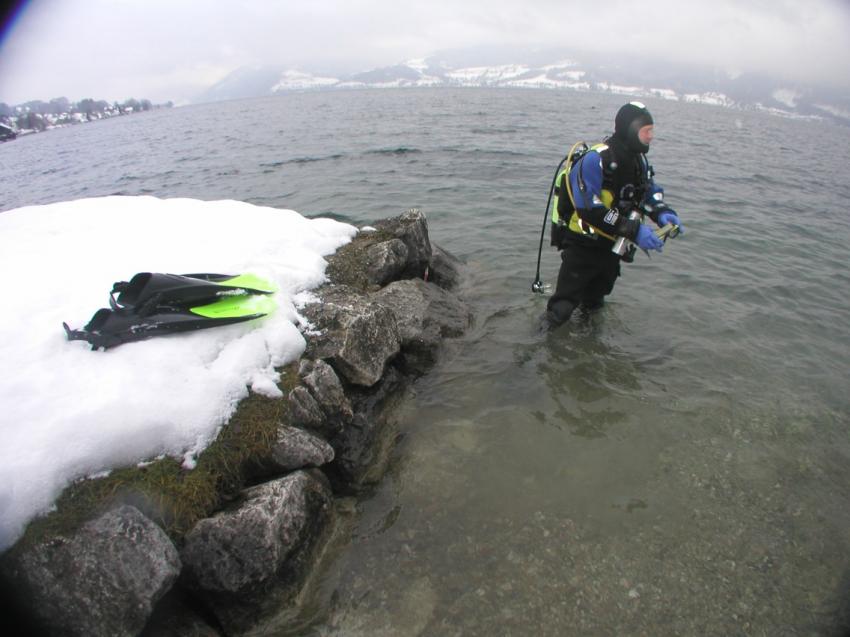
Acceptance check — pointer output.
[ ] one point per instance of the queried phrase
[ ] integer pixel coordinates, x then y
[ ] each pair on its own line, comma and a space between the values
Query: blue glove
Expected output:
647, 240
668, 216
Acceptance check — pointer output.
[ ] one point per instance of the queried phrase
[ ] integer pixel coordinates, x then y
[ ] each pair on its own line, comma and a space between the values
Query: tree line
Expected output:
38, 114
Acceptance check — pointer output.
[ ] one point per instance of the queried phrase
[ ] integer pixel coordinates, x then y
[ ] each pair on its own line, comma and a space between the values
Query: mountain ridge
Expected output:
552, 70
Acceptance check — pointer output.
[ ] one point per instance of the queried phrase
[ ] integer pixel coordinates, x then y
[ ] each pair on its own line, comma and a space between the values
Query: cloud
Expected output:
167, 49
802, 41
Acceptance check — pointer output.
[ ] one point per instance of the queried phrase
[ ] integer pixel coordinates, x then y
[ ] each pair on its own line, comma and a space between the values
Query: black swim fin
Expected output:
148, 292
153, 304
111, 327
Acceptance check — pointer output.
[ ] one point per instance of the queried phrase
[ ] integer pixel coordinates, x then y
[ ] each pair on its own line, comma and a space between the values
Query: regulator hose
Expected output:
537, 286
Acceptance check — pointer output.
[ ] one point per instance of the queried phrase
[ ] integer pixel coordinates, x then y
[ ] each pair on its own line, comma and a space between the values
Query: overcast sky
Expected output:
173, 49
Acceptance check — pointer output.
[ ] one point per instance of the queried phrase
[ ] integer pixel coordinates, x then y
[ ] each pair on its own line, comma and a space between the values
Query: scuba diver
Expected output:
601, 200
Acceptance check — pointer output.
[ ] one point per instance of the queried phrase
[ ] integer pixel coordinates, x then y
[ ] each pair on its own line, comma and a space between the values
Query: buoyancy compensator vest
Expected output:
563, 203
624, 185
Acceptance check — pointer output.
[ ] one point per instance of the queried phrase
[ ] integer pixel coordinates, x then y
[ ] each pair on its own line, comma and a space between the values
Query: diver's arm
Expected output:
653, 202
654, 207
586, 184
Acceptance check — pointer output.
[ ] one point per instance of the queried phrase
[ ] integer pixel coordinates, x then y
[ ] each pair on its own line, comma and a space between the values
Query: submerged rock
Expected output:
103, 580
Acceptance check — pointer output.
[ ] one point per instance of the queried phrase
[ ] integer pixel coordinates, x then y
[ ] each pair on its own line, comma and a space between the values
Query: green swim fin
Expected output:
153, 304
115, 326
148, 291
235, 306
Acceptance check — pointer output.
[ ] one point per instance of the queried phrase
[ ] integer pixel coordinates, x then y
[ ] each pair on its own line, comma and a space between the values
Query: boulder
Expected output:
398, 249
178, 615
305, 412
362, 449
445, 269
425, 315
103, 580
417, 304
248, 562
293, 449
356, 336
326, 389
411, 228
386, 261
296, 449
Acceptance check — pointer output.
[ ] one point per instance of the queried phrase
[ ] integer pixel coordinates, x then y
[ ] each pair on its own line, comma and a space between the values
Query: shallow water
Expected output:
676, 463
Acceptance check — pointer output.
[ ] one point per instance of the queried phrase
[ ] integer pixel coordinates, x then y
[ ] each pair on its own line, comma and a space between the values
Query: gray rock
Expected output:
445, 269
293, 449
176, 616
249, 562
305, 412
421, 351
417, 304
326, 388
296, 449
103, 580
386, 261
363, 448
411, 228
425, 314
356, 336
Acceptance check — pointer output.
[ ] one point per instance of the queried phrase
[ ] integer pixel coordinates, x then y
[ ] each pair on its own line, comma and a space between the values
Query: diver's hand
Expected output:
647, 240
668, 216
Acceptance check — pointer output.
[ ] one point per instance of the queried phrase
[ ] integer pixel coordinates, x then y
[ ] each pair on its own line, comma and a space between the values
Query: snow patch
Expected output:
786, 96
69, 412
711, 98
488, 74
296, 80
419, 64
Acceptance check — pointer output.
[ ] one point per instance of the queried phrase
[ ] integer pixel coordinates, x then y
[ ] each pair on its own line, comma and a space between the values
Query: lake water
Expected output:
676, 464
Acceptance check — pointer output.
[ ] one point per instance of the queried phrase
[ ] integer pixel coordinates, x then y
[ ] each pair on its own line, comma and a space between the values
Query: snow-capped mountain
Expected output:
637, 79
296, 80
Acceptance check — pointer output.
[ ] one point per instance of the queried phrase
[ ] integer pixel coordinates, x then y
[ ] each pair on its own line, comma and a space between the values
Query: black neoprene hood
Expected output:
630, 119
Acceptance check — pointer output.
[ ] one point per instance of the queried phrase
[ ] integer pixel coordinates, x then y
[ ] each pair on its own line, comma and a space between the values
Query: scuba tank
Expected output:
559, 220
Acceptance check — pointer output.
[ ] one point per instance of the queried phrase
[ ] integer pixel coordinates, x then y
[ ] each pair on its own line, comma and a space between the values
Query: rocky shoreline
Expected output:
377, 325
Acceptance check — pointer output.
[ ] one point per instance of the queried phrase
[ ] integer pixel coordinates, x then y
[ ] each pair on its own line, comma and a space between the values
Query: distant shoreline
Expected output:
38, 116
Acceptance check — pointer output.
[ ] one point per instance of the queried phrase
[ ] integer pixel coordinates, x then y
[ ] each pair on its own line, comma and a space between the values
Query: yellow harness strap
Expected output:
579, 225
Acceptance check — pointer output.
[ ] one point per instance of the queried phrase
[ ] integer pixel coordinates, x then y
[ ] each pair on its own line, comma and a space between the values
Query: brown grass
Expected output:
174, 497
